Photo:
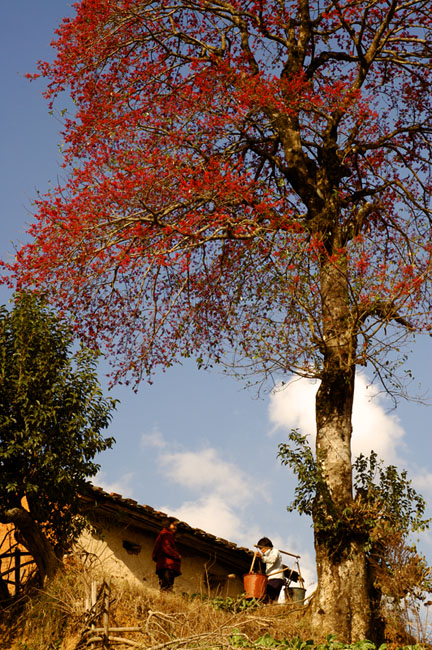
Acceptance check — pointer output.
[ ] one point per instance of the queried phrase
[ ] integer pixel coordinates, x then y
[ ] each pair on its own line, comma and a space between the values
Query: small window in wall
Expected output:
131, 547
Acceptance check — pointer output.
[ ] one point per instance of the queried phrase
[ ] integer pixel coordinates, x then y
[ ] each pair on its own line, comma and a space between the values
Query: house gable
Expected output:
123, 536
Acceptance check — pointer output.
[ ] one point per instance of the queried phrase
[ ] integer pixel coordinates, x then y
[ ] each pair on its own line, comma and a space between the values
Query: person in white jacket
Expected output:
273, 568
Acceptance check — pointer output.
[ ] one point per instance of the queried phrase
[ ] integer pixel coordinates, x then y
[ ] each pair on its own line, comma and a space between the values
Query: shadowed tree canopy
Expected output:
249, 183
52, 413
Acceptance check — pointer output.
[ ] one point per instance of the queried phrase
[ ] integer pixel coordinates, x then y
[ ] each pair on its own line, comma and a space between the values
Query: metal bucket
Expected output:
254, 585
296, 594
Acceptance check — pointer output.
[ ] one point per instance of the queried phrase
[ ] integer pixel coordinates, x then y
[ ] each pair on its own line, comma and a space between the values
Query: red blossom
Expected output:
223, 163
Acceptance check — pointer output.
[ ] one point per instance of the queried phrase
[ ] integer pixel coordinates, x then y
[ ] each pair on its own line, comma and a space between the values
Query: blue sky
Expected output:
193, 444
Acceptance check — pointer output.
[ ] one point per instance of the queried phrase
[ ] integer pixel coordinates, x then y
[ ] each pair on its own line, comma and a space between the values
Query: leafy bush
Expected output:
239, 640
234, 605
228, 603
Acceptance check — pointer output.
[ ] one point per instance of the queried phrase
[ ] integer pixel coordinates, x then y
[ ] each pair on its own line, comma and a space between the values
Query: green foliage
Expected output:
228, 603
389, 492
384, 511
384, 499
52, 413
235, 605
311, 495
298, 455
239, 640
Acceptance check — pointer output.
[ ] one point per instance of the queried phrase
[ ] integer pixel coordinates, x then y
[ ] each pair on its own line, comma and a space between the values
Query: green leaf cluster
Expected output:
384, 500
235, 605
52, 413
383, 512
231, 604
390, 492
239, 640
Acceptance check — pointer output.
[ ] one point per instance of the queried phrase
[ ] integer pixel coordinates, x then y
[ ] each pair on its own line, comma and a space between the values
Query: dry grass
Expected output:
59, 617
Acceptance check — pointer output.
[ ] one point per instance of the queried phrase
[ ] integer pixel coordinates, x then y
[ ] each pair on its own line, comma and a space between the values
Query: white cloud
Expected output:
225, 492
422, 482
154, 439
122, 486
212, 514
207, 471
293, 406
373, 428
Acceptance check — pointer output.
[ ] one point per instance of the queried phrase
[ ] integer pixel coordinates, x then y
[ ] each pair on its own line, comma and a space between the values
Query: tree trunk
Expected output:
341, 605
30, 535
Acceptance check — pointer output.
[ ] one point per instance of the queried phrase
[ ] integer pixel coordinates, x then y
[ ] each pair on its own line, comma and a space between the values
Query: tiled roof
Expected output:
144, 516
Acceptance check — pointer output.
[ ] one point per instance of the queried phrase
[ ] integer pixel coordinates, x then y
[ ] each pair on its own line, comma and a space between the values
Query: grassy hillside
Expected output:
62, 617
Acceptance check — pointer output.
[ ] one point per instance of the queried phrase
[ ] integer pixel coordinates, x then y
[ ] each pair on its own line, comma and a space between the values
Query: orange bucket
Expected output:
254, 585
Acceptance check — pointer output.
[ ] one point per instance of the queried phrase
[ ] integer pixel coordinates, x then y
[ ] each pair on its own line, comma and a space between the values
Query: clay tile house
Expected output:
122, 541
119, 543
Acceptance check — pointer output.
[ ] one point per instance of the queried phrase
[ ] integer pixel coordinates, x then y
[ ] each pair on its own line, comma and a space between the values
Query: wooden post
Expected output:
93, 598
17, 556
301, 581
105, 612
93, 593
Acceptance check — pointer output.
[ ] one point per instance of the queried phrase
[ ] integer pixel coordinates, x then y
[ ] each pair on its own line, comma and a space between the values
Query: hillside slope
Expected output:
81, 609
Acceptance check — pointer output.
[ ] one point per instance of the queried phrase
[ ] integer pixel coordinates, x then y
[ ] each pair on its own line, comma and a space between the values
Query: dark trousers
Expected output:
166, 578
273, 588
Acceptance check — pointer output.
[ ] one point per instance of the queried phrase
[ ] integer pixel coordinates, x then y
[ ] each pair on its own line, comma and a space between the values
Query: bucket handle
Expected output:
253, 562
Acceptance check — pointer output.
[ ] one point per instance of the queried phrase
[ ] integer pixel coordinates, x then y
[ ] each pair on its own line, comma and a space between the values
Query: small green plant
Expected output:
240, 640
235, 605
227, 603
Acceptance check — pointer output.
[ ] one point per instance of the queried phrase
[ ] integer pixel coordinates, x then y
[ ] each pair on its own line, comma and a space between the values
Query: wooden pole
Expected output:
285, 552
17, 555
93, 599
291, 554
301, 581
105, 613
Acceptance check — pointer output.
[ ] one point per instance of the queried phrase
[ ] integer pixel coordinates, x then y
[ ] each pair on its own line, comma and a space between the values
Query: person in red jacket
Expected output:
166, 555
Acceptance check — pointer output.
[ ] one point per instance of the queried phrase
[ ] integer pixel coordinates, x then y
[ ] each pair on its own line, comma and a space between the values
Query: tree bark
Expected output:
30, 535
341, 604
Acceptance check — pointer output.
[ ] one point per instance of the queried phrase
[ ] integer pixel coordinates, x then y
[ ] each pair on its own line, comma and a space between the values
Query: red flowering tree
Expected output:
249, 183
